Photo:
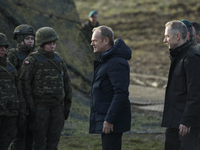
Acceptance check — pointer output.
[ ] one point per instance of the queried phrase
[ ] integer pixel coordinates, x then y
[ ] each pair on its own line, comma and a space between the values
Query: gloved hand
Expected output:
66, 114
21, 119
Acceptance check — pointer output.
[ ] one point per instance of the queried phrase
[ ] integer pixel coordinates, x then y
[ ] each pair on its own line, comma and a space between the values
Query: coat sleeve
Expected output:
20, 93
26, 75
12, 58
192, 108
67, 88
118, 74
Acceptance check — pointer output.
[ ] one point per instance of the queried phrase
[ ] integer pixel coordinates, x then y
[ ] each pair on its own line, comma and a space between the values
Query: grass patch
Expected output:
129, 142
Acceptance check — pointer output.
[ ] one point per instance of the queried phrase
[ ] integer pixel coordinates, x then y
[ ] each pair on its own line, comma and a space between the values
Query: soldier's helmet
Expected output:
3, 40
23, 29
45, 35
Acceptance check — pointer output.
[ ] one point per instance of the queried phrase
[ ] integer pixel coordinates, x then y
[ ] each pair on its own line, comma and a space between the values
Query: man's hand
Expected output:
107, 127
183, 130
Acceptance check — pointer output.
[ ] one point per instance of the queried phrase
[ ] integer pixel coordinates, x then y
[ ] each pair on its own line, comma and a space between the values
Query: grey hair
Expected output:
105, 32
178, 27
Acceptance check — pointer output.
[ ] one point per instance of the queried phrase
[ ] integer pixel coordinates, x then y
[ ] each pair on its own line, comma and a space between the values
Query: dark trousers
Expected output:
111, 141
29, 137
174, 141
19, 141
24, 137
8, 131
47, 127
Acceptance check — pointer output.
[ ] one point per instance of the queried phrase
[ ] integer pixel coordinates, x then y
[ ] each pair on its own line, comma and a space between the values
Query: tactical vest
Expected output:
48, 79
20, 57
8, 91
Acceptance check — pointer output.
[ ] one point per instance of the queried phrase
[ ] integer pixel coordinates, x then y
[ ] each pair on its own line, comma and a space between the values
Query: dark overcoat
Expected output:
182, 98
109, 90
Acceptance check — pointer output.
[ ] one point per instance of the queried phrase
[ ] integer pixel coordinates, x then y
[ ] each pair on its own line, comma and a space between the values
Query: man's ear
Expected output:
178, 36
106, 40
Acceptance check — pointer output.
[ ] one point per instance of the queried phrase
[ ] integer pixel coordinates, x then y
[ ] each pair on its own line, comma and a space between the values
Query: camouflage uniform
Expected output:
16, 57
12, 103
46, 81
195, 44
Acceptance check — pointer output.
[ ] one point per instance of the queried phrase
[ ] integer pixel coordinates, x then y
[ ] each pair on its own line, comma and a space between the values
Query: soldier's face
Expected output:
29, 40
94, 18
170, 38
50, 47
97, 43
2, 51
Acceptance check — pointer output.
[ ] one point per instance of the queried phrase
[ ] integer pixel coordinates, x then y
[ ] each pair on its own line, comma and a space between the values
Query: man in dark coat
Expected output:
110, 105
181, 113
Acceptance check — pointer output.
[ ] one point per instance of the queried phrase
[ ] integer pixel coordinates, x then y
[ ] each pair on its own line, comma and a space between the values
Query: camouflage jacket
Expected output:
17, 55
46, 80
11, 95
195, 44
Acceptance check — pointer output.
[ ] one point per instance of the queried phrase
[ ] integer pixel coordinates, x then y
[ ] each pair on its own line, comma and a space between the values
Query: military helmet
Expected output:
45, 35
3, 40
23, 29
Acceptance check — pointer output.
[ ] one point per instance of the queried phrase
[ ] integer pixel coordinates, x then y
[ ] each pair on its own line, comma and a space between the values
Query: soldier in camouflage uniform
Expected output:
25, 36
47, 90
191, 37
12, 103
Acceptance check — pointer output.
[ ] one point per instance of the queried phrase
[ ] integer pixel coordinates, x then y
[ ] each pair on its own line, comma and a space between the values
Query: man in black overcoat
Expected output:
181, 113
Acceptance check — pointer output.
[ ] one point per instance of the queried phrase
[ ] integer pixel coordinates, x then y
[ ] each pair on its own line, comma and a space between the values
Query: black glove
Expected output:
21, 119
66, 114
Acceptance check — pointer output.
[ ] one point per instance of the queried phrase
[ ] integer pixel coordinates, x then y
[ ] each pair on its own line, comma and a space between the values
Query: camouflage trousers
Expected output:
8, 131
24, 137
47, 127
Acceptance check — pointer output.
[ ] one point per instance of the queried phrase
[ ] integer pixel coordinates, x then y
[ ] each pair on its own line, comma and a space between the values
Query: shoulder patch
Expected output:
26, 62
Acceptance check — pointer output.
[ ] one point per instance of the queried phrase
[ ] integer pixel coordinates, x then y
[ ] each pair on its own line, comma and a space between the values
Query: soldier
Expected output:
25, 36
47, 90
12, 103
90, 24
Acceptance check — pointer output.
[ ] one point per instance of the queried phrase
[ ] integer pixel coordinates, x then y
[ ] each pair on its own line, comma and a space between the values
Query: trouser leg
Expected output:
19, 141
8, 131
29, 137
55, 127
40, 128
172, 141
111, 141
